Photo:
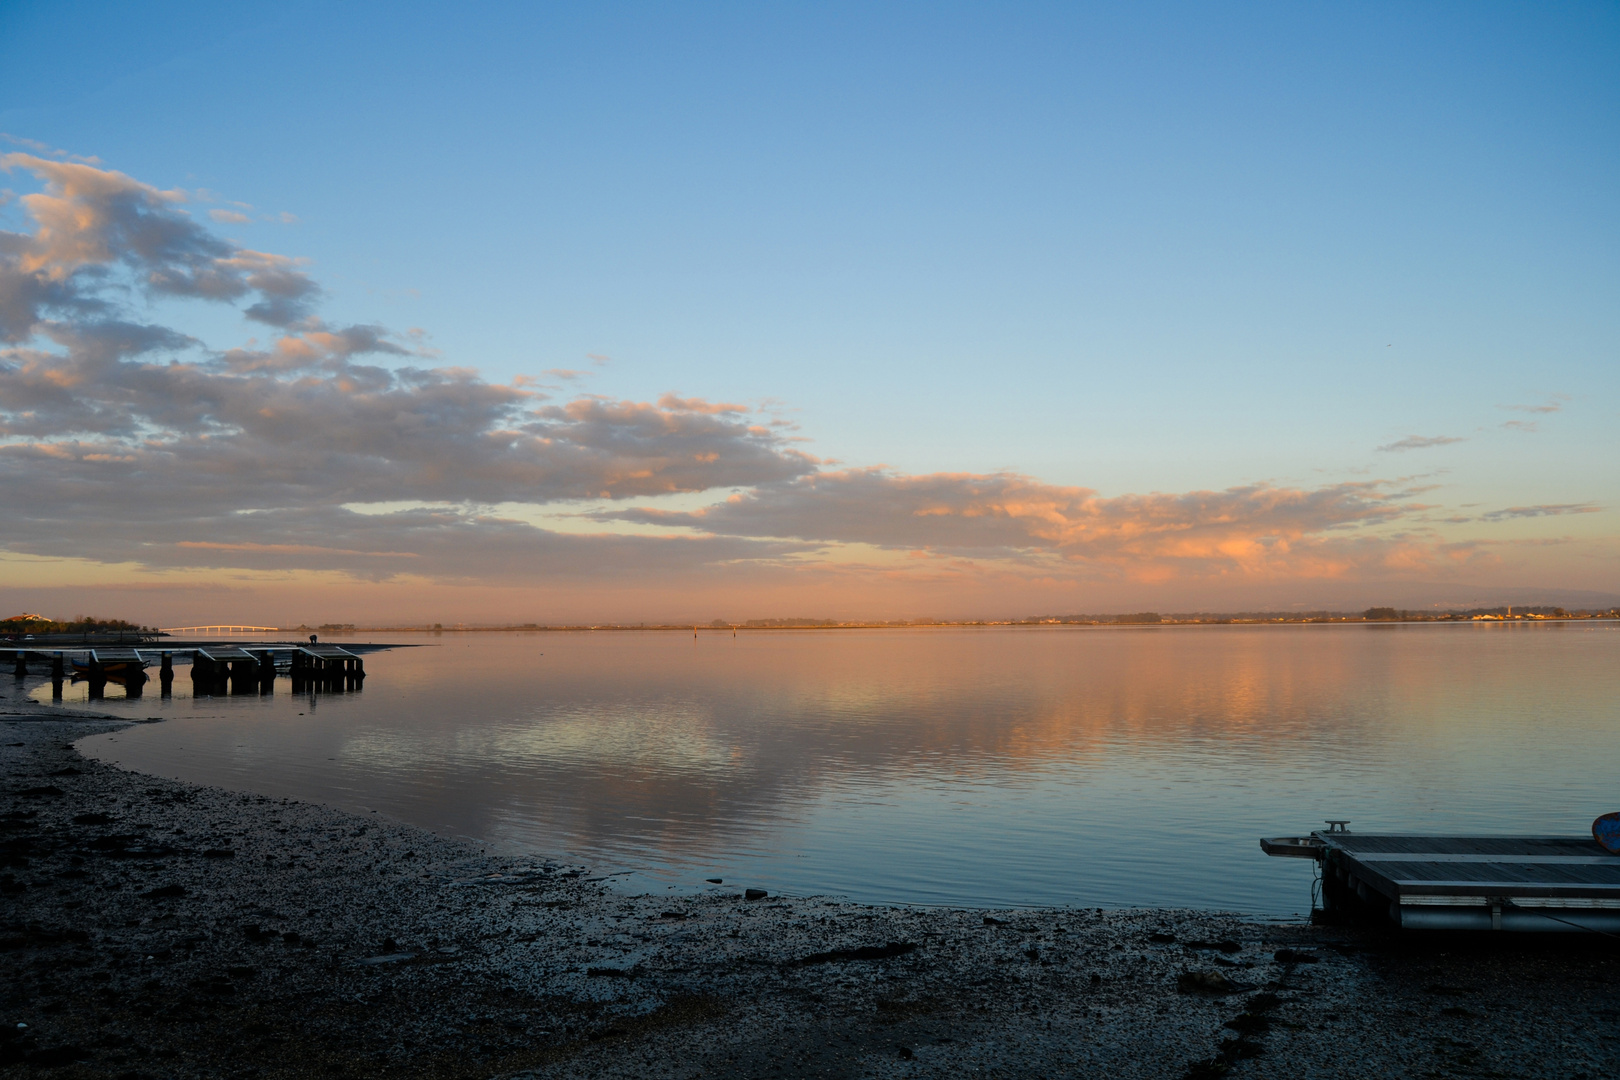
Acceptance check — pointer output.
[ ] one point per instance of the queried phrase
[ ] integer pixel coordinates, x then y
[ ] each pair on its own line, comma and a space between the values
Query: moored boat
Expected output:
117, 671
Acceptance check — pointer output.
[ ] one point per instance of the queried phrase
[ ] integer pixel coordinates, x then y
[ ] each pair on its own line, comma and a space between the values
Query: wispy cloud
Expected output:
1554, 403
1543, 510
229, 217
1420, 442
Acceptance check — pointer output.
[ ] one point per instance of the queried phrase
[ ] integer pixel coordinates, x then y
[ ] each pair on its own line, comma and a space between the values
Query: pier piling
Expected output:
98, 679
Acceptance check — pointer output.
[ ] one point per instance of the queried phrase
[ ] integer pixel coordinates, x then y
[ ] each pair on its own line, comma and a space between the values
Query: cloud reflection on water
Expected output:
1102, 766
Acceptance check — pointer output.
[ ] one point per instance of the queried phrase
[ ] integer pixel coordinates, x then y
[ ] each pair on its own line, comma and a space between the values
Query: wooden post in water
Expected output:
56, 676
19, 667
267, 672
244, 674
166, 674
98, 679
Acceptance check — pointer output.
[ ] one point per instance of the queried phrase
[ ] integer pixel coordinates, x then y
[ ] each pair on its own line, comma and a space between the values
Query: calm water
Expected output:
1094, 767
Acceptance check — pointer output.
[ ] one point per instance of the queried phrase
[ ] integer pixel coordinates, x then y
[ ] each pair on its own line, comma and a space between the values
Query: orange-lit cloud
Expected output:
129, 443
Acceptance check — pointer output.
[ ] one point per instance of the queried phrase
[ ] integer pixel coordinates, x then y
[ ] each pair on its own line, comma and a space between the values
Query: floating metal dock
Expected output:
1534, 884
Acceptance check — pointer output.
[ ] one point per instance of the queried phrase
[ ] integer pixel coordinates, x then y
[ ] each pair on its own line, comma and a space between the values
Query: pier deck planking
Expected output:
1517, 883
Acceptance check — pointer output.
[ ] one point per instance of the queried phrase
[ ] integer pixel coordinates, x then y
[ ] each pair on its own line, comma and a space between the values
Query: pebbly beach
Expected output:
152, 928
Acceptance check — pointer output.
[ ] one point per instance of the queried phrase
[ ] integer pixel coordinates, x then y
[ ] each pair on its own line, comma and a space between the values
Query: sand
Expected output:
152, 928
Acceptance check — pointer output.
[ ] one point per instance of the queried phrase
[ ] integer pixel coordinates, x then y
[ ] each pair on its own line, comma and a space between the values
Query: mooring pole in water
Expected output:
267, 672
244, 676
56, 676
166, 674
20, 667
98, 679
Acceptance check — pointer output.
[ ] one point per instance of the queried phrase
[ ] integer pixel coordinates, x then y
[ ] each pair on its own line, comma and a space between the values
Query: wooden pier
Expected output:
1533, 884
216, 669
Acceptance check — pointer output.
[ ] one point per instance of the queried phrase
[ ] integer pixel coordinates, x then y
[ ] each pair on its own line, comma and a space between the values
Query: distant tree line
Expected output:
79, 624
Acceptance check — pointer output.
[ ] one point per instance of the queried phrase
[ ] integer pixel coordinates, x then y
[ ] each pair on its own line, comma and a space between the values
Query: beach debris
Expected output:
715, 881
54, 1056
1218, 946
672, 914
1205, 982
755, 894
865, 952
1161, 937
164, 892
991, 920
388, 958
1248, 1023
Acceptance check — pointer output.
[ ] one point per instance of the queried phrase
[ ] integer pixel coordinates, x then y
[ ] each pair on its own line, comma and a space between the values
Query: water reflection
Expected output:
949, 766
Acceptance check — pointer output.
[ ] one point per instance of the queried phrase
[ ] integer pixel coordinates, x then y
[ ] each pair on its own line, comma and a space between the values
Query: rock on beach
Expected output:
150, 928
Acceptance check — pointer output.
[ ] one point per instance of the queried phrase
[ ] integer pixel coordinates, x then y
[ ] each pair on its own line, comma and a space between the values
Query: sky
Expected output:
533, 313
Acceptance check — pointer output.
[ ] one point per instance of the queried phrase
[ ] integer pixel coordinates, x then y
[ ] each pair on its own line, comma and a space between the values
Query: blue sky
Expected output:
1144, 248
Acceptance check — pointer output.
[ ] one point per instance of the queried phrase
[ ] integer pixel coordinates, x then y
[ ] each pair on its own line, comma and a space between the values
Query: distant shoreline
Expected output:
757, 625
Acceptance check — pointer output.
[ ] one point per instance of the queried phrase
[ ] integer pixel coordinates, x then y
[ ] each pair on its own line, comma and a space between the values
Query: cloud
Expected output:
1420, 442
96, 229
598, 359
45, 148
229, 217
1544, 510
105, 417
129, 441
1526, 426
1554, 403
1006, 516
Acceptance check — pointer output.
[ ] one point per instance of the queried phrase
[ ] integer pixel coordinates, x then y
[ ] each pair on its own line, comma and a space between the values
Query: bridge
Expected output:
218, 629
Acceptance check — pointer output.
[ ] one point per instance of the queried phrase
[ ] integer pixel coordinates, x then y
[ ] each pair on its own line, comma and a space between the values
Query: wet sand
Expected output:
152, 929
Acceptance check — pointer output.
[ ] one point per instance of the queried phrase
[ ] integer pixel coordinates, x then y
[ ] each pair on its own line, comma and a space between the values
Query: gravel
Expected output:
150, 928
